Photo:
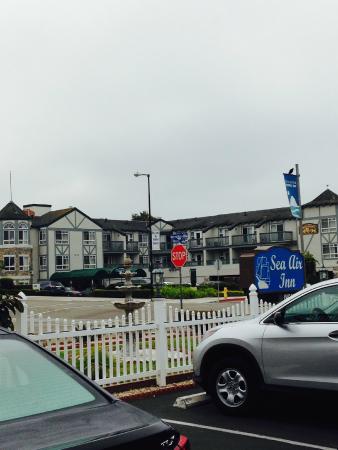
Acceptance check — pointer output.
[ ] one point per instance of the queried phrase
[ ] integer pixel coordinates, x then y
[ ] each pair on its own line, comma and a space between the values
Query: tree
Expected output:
142, 215
9, 303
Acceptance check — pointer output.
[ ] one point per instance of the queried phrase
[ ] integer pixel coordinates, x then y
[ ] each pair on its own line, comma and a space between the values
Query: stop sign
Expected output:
179, 255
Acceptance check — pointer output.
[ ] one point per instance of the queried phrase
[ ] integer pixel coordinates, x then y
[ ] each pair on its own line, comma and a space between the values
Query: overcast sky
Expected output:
215, 99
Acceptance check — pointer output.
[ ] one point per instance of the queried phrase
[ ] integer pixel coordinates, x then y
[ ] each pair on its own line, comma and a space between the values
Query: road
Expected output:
281, 422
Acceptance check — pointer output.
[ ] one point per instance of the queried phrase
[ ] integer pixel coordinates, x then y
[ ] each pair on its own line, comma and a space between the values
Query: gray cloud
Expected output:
215, 100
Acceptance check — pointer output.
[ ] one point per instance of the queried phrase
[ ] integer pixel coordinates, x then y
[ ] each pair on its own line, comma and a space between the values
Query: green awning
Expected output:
91, 274
96, 274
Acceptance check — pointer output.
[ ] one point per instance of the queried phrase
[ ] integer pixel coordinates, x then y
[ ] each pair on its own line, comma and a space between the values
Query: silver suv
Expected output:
294, 345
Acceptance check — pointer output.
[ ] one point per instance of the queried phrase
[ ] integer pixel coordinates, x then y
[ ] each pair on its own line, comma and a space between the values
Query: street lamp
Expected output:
150, 245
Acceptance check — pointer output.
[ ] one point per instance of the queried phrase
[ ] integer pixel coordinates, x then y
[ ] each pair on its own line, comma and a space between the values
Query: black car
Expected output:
52, 287
47, 404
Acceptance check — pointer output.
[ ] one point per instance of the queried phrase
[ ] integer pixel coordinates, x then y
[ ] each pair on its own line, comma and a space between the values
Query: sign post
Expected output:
218, 263
179, 256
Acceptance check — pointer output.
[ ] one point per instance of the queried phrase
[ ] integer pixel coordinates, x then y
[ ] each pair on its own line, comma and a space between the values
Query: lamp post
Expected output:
158, 278
150, 245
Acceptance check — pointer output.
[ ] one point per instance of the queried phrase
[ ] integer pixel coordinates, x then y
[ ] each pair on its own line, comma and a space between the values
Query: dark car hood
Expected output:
108, 426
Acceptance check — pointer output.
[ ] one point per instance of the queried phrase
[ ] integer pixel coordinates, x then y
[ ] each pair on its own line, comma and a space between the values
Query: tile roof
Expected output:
52, 216
12, 212
233, 219
326, 198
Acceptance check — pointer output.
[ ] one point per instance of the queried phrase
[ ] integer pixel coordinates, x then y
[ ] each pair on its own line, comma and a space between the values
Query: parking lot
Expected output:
280, 422
88, 308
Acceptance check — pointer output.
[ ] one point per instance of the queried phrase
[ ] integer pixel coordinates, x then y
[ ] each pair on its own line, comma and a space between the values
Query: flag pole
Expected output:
300, 222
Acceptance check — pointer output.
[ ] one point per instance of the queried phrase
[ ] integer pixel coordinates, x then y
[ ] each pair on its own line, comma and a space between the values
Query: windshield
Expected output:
33, 382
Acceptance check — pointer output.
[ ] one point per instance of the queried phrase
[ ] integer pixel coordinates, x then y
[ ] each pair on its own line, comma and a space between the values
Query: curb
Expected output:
136, 394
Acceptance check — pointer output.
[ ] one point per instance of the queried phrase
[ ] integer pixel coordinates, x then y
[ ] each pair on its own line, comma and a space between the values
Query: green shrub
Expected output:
7, 283
187, 292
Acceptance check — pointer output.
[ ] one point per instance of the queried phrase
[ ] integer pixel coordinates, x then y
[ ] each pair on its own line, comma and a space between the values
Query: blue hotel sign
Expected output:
279, 270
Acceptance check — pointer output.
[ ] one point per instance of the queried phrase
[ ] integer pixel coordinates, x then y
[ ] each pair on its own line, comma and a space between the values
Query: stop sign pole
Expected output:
179, 256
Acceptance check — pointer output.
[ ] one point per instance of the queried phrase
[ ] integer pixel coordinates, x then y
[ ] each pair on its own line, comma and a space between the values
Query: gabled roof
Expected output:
12, 212
326, 198
52, 216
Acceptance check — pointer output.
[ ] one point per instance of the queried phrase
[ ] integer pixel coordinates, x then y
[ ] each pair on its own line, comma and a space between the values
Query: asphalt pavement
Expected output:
281, 421
89, 308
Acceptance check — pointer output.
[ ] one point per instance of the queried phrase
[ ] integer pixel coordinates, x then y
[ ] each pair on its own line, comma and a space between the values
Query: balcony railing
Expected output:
212, 262
132, 247
217, 242
244, 240
164, 247
113, 246
195, 243
195, 263
276, 236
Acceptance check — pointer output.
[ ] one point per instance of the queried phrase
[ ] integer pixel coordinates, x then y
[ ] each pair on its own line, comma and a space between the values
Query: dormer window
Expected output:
9, 234
23, 233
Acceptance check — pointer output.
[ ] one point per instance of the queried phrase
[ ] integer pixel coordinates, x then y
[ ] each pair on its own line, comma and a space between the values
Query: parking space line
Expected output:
253, 435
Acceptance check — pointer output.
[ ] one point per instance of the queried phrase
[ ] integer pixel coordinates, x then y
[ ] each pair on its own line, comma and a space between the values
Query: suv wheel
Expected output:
233, 384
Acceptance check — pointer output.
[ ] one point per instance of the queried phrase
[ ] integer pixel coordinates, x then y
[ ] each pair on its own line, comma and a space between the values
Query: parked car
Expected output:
294, 345
53, 287
71, 292
45, 403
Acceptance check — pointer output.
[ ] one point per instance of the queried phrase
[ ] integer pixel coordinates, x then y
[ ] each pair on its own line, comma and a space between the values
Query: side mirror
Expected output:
278, 318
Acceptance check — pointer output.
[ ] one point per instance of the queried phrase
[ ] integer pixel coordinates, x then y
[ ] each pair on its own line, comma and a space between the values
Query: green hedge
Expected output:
187, 292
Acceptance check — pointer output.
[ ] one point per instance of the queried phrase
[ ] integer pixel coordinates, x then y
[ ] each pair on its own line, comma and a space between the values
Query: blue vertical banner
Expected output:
292, 189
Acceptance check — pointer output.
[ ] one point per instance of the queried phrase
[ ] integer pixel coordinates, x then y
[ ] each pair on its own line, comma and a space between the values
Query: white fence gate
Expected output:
137, 347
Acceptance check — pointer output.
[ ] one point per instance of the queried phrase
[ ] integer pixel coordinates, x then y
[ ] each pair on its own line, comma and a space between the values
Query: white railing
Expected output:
138, 347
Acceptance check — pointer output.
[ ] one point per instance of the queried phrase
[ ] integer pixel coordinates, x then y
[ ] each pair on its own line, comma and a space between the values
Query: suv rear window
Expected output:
32, 382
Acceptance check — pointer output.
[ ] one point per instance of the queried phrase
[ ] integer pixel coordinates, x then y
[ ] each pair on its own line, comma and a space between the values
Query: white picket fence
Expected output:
138, 347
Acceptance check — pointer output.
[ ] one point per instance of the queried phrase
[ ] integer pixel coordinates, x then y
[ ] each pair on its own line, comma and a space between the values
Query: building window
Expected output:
89, 262
9, 263
43, 262
144, 260
222, 232
9, 233
43, 236
130, 237
23, 233
330, 251
106, 237
89, 237
329, 225
62, 262
24, 263
61, 237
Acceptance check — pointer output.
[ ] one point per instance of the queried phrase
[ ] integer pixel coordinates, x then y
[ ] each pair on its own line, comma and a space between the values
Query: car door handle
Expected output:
334, 334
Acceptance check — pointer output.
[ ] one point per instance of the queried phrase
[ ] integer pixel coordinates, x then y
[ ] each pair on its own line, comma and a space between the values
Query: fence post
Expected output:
161, 340
254, 303
23, 320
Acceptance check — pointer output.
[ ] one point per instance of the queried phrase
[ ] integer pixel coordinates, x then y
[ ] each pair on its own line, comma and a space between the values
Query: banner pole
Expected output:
300, 222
